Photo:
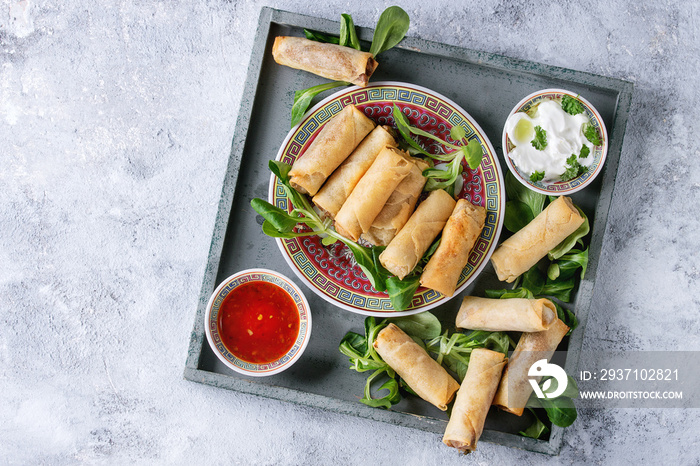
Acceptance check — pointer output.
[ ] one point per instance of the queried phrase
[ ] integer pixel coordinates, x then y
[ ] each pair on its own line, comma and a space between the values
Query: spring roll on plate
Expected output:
515, 314
474, 399
458, 238
328, 60
515, 389
422, 373
398, 207
365, 202
336, 190
333, 144
526, 247
413, 240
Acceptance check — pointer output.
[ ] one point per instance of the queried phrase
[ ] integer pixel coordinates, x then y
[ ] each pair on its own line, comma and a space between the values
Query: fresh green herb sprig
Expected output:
573, 169
591, 133
391, 28
470, 151
571, 105
540, 140
537, 176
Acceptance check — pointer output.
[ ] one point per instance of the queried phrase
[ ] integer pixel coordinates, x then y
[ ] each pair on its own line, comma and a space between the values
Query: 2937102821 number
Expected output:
639, 374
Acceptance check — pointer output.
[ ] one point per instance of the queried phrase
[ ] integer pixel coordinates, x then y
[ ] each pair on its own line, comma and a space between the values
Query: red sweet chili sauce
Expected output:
258, 322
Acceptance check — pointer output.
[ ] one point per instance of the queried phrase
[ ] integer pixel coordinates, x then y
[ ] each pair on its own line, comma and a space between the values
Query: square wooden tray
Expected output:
487, 86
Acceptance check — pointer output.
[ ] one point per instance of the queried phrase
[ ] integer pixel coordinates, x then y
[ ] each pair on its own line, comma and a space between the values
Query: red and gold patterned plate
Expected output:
330, 271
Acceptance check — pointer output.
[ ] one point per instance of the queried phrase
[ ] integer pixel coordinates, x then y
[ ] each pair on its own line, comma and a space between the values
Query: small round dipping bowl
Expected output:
213, 330
599, 153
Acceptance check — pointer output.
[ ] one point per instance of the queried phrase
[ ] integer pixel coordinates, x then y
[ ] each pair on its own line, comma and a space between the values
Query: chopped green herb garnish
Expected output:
571, 105
573, 169
592, 135
540, 141
585, 151
537, 176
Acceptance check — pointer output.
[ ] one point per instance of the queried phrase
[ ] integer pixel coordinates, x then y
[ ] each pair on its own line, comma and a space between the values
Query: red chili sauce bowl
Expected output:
258, 322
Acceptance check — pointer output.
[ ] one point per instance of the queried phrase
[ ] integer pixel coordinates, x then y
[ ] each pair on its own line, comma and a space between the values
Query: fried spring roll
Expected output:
328, 60
398, 207
333, 144
409, 245
515, 314
515, 389
458, 238
372, 191
474, 399
422, 373
522, 250
336, 190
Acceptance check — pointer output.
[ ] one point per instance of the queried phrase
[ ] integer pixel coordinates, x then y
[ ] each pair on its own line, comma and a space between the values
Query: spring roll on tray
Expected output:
515, 389
328, 60
422, 373
365, 202
398, 207
336, 190
333, 144
474, 399
526, 247
507, 315
413, 240
458, 238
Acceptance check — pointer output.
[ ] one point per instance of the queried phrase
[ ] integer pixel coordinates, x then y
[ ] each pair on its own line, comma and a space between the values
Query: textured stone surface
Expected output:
115, 124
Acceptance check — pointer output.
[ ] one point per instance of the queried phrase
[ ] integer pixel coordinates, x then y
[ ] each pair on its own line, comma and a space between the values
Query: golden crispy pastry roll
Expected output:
398, 207
458, 238
521, 251
331, 61
422, 373
408, 246
365, 202
333, 144
474, 399
515, 314
336, 190
514, 389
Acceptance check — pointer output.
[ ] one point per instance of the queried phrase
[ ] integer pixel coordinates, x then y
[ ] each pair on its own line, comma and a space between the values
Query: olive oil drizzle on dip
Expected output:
258, 322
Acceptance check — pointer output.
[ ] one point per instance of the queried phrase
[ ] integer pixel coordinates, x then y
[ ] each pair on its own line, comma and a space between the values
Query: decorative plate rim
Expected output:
592, 174
253, 369
500, 212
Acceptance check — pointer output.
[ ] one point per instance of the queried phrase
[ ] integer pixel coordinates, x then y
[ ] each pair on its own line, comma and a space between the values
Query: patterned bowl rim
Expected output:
592, 171
253, 369
501, 200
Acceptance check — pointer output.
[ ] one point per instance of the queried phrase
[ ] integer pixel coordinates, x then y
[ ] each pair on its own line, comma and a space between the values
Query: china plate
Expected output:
330, 271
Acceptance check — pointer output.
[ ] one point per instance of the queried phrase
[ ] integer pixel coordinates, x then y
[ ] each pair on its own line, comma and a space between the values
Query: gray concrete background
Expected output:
115, 125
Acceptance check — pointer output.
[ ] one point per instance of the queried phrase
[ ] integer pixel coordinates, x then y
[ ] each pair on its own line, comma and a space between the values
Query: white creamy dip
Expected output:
564, 138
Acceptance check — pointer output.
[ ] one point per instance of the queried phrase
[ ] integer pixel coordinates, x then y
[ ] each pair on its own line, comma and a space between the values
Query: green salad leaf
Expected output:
348, 35
574, 238
302, 99
453, 351
391, 28
321, 37
537, 429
